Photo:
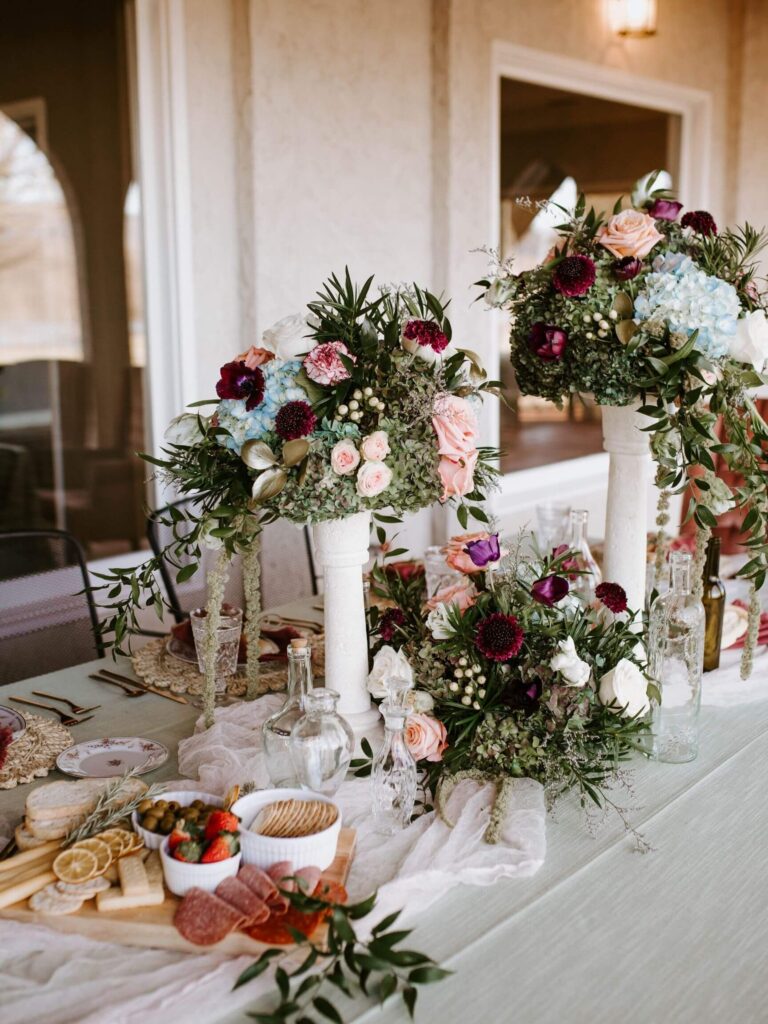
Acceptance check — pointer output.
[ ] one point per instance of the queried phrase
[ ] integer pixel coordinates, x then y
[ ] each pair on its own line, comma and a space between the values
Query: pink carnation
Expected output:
324, 366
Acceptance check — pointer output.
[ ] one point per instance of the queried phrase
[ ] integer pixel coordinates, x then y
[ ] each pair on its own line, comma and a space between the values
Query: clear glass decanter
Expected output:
675, 665
321, 743
276, 731
393, 775
590, 577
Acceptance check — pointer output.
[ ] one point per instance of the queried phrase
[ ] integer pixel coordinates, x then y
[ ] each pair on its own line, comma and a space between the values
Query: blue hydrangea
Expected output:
680, 296
279, 387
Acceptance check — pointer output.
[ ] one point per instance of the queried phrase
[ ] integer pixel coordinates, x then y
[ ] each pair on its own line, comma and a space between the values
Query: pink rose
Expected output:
375, 447
426, 737
457, 477
255, 357
455, 424
461, 593
629, 233
373, 478
457, 557
345, 458
323, 365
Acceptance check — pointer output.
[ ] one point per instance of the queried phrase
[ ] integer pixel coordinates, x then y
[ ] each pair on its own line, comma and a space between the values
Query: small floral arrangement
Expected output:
646, 304
517, 677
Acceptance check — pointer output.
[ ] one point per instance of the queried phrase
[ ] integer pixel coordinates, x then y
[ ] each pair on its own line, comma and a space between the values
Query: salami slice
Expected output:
238, 895
204, 919
279, 872
258, 881
310, 876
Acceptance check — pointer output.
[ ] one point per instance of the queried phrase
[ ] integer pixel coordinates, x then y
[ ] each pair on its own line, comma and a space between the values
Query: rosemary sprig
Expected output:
376, 967
111, 807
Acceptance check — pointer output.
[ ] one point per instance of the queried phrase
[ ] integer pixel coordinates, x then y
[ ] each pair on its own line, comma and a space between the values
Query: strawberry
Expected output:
180, 834
188, 850
221, 821
217, 849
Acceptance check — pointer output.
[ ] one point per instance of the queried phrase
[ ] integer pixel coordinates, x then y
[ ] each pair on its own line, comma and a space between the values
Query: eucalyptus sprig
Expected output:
378, 967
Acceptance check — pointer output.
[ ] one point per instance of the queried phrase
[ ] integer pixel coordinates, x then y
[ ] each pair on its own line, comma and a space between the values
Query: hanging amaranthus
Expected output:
252, 626
217, 582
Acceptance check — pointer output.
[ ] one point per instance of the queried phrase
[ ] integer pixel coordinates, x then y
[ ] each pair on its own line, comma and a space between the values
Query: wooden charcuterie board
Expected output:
153, 927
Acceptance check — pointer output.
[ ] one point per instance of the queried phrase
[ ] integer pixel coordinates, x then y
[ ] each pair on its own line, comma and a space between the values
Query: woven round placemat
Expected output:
157, 667
34, 753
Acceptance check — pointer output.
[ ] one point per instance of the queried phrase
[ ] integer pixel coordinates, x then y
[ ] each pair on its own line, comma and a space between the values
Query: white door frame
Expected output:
521, 490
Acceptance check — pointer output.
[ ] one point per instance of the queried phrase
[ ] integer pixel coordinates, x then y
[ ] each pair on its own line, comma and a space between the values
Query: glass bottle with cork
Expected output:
713, 599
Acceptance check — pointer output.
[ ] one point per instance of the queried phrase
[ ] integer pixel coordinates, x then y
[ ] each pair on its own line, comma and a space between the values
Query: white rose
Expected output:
626, 686
345, 458
498, 292
373, 478
574, 671
420, 702
288, 338
184, 429
438, 624
719, 497
209, 542
750, 343
388, 665
375, 447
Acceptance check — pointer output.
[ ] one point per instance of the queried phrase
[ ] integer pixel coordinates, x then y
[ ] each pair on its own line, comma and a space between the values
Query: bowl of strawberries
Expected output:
201, 856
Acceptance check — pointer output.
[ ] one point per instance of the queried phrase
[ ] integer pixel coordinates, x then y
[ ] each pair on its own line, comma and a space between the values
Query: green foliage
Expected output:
378, 967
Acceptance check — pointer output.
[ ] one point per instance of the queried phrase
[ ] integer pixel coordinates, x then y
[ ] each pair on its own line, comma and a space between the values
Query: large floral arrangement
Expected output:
650, 304
516, 676
360, 403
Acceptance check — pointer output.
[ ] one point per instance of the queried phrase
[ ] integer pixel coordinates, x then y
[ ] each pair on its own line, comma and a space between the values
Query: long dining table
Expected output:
601, 933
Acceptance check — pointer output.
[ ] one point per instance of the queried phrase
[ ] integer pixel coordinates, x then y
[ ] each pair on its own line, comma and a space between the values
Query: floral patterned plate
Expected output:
12, 719
113, 755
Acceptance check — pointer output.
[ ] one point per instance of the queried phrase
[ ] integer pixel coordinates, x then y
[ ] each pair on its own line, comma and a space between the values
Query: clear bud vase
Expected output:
589, 578
321, 743
276, 731
675, 665
393, 775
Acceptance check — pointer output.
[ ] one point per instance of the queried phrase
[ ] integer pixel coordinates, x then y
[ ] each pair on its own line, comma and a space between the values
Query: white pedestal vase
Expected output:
341, 548
626, 523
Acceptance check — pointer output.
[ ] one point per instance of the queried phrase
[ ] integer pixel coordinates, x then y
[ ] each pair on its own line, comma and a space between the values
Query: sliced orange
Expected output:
76, 865
99, 849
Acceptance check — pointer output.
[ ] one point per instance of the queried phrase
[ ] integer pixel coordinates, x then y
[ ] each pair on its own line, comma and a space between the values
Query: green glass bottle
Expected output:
713, 599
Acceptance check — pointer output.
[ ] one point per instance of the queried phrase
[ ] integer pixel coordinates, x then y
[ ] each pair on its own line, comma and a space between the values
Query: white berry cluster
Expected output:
354, 411
471, 680
601, 322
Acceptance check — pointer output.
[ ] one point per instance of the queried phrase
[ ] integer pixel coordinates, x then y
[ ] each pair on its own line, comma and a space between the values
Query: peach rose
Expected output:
426, 737
462, 594
255, 357
457, 478
373, 478
345, 458
457, 557
375, 447
456, 427
630, 233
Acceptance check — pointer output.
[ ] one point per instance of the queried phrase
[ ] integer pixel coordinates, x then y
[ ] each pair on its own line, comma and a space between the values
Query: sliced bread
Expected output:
54, 828
68, 800
25, 840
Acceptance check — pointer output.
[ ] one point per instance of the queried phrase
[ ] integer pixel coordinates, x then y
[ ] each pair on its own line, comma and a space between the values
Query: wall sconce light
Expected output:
635, 18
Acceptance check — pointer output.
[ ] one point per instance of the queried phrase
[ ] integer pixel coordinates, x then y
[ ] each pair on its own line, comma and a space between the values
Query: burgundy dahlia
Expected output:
665, 209
391, 620
703, 223
627, 268
239, 381
427, 333
295, 419
574, 275
499, 637
550, 590
613, 596
6, 738
547, 341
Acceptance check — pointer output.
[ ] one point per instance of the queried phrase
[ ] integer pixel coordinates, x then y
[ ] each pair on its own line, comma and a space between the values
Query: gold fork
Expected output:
75, 708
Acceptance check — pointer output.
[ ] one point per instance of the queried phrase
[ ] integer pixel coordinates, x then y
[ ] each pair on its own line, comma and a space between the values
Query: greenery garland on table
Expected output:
641, 305
516, 676
361, 403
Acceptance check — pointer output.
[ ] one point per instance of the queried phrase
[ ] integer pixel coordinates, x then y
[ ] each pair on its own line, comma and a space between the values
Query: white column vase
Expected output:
341, 548
626, 523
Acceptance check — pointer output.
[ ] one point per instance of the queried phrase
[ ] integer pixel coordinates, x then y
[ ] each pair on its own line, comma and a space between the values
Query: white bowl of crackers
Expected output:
293, 825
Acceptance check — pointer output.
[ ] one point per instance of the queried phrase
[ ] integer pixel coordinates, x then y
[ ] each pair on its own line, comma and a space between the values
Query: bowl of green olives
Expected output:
153, 820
